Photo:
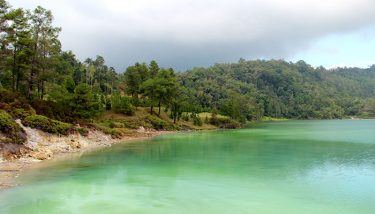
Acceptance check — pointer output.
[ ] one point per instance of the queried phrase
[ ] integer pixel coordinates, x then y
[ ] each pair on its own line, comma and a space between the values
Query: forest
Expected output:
42, 84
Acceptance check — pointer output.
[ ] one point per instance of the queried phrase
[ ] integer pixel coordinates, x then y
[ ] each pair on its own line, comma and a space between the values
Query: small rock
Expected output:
42, 154
141, 129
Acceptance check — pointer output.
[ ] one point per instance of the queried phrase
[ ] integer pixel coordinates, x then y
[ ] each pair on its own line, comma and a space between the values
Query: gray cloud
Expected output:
189, 33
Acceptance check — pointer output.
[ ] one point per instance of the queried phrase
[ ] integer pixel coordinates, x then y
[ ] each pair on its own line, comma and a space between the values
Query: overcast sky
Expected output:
193, 33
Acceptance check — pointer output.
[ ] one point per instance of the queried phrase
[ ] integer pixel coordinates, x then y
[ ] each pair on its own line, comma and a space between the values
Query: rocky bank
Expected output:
42, 146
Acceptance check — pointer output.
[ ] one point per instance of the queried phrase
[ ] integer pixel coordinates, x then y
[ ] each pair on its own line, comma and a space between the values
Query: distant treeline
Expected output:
35, 71
248, 90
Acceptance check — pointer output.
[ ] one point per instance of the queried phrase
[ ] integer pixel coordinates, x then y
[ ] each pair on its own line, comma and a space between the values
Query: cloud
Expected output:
189, 33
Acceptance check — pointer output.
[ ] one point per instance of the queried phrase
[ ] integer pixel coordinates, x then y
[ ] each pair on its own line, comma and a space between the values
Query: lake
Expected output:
276, 167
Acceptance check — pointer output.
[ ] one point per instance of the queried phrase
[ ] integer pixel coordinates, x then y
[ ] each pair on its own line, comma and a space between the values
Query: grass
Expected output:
203, 115
118, 125
268, 119
110, 121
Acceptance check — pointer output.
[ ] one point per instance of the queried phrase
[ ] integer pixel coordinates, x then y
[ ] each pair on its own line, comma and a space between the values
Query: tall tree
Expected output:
166, 83
4, 30
20, 44
154, 68
45, 43
133, 81
150, 85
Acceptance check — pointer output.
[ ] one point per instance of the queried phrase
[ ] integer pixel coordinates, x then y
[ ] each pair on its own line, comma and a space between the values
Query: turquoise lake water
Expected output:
277, 167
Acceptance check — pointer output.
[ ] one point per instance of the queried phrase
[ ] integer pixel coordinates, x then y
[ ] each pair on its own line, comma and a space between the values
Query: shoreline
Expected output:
55, 147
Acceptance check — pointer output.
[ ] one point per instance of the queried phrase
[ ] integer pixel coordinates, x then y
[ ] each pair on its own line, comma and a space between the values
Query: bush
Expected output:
8, 96
206, 120
12, 131
53, 110
106, 130
185, 117
122, 105
20, 113
197, 121
83, 131
158, 123
224, 123
48, 125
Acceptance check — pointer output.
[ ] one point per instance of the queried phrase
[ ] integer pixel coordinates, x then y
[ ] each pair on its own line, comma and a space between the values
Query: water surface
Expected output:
280, 167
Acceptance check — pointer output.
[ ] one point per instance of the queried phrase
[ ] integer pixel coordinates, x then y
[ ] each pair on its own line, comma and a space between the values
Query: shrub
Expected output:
12, 131
122, 105
20, 113
83, 131
7, 96
225, 123
53, 110
4, 106
106, 130
48, 125
206, 120
132, 124
197, 121
185, 117
158, 123
21, 103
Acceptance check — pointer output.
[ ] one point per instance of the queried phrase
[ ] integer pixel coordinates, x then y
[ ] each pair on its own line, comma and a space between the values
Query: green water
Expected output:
281, 167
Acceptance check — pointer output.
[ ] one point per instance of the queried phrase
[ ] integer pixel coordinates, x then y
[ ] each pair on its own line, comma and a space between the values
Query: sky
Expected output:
199, 33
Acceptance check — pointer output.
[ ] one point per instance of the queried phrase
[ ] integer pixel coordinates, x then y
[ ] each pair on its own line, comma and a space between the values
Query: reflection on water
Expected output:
284, 167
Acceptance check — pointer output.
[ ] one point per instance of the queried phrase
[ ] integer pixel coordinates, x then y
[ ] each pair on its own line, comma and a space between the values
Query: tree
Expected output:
45, 44
122, 104
132, 81
177, 103
4, 43
154, 68
19, 40
149, 86
166, 84
84, 104
4, 26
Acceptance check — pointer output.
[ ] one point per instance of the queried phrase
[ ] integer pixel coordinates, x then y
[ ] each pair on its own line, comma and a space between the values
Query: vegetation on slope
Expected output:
11, 132
48, 125
250, 90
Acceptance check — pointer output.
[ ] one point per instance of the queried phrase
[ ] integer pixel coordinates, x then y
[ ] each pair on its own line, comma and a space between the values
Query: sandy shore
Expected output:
44, 147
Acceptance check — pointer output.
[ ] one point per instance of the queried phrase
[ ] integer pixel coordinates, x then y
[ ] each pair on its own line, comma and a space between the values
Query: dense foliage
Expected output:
48, 125
248, 90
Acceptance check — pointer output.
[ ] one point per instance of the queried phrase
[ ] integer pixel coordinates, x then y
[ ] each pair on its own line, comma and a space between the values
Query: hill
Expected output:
249, 90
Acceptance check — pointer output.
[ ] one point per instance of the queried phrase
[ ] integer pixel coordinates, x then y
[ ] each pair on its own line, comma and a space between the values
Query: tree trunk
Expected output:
42, 95
30, 88
33, 65
18, 78
159, 104
152, 103
38, 87
174, 114
14, 70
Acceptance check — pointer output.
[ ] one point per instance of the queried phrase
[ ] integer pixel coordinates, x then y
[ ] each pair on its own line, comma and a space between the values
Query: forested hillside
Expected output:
45, 86
248, 90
